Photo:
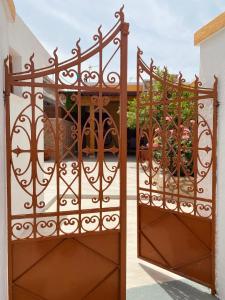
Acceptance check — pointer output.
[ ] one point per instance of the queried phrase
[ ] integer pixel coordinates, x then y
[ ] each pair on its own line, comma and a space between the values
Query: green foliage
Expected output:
172, 135
186, 106
69, 103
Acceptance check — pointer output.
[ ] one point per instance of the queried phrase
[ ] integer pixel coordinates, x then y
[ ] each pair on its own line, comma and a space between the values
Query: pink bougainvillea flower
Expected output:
186, 130
169, 118
181, 125
185, 136
157, 129
171, 131
155, 145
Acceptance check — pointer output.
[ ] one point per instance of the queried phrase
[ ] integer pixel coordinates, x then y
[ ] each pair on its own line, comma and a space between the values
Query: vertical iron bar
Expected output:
214, 179
195, 145
123, 155
138, 152
150, 133
178, 140
79, 141
164, 136
57, 142
33, 146
100, 133
8, 165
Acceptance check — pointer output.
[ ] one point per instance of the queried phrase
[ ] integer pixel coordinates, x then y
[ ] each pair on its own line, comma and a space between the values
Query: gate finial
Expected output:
180, 78
30, 66
165, 70
98, 37
53, 59
55, 52
152, 64
120, 14
197, 82
6, 61
76, 50
139, 52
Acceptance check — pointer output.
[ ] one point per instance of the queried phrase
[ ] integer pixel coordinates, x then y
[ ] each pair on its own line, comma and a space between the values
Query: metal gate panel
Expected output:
66, 233
176, 173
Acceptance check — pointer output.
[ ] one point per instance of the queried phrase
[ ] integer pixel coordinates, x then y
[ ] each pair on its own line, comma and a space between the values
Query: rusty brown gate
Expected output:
176, 173
66, 157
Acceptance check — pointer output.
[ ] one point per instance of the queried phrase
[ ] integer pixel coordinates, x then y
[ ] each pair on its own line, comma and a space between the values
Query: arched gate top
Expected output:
179, 83
78, 56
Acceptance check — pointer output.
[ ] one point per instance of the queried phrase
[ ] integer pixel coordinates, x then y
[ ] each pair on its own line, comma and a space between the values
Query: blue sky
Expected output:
164, 29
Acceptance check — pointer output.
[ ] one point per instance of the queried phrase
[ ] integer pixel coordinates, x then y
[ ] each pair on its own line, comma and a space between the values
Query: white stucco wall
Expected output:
24, 43
3, 233
18, 40
212, 61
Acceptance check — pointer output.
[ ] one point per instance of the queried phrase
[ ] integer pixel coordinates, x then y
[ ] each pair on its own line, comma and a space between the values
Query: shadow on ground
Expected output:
166, 288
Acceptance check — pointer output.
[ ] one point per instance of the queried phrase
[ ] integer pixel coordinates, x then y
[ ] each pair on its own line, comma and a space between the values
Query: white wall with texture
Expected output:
212, 61
4, 42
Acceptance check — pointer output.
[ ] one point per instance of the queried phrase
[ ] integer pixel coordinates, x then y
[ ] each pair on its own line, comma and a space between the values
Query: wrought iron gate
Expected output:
66, 233
176, 173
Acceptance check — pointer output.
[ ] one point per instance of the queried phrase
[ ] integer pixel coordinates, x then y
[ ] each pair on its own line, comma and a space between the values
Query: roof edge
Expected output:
12, 9
209, 29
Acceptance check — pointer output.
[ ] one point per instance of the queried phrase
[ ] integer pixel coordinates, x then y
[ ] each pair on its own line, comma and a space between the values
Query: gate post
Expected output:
123, 154
211, 39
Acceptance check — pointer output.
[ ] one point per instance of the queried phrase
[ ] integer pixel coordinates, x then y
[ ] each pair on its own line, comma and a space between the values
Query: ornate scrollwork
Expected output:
46, 227
69, 225
30, 66
98, 36
106, 137
144, 198
120, 14
175, 150
51, 173
69, 77
77, 50
204, 210
22, 230
22, 143
54, 60
111, 221
90, 223
89, 78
